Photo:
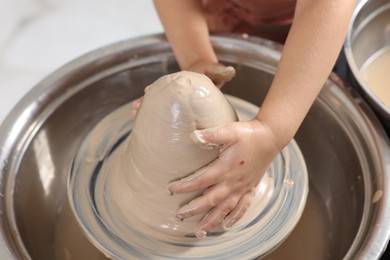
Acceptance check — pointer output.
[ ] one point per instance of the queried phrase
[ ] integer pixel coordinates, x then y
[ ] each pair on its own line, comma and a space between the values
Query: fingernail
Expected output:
230, 69
178, 217
227, 224
198, 136
220, 69
200, 234
169, 191
225, 71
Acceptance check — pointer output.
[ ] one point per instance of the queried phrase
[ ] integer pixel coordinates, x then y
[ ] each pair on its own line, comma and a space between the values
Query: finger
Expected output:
215, 137
239, 210
201, 205
221, 74
216, 216
202, 179
147, 88
136, 103
133, 113
135, 106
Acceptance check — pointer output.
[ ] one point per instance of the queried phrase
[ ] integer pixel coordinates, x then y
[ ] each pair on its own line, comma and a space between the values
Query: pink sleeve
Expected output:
266, 18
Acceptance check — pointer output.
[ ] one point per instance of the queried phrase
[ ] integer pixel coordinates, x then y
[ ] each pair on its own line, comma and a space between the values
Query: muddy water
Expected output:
309, 240
376, 74
70, 243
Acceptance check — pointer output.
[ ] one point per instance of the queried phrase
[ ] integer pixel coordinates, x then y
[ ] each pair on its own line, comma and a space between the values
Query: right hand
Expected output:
246, 149
218, 73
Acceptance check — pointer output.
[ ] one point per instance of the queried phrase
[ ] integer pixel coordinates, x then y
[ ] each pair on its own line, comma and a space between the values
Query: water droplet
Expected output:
377, 196
289, 182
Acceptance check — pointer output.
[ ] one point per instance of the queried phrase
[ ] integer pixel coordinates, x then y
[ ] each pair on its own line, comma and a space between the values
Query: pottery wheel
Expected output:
276, 208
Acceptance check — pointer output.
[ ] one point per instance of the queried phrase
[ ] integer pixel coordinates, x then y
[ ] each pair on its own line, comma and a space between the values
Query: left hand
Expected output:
229, 182
217, 72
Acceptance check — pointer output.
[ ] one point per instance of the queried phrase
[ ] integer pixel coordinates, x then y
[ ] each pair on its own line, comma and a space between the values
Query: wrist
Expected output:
281, 131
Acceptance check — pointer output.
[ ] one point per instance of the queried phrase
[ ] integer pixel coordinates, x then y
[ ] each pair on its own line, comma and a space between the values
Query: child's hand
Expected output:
246, 151
218, 73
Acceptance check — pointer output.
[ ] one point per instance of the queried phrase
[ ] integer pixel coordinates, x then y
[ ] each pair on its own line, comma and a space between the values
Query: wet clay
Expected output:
160, 150
117, 188
312, 229
376, 74
312, 237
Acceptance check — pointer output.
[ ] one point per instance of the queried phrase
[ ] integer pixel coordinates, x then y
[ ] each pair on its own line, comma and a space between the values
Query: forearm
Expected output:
310, 51
187, 32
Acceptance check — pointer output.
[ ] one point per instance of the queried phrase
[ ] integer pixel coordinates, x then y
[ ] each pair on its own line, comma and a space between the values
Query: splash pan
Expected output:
278, 204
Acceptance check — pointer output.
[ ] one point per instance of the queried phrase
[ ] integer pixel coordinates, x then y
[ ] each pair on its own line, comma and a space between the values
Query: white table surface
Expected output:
39, 36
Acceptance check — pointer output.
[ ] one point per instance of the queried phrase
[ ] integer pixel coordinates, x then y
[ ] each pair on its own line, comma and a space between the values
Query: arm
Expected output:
186, 30
311, 49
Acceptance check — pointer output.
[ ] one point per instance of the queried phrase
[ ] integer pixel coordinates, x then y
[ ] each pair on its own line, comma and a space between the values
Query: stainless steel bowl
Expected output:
369, 32
346, 150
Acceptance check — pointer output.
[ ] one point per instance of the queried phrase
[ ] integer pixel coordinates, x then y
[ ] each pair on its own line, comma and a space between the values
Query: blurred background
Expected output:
39, 36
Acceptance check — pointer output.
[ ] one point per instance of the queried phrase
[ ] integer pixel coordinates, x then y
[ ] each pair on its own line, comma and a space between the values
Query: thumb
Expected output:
220, 74
213, 138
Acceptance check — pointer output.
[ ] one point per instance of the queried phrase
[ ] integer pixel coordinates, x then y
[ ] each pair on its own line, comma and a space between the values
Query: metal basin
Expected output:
369, 37
345, 148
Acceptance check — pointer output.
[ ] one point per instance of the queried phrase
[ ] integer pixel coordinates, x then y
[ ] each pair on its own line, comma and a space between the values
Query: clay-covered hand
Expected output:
217, 72
229, 182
